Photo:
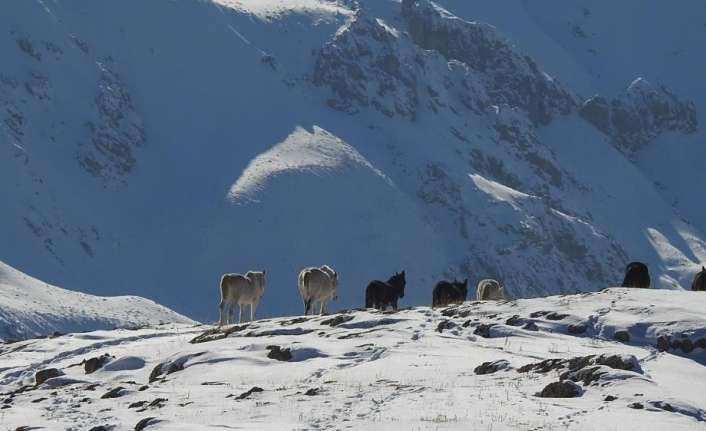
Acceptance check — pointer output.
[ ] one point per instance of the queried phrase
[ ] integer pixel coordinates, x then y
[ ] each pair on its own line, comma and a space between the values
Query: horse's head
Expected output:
257, 278
464, 286
399, 281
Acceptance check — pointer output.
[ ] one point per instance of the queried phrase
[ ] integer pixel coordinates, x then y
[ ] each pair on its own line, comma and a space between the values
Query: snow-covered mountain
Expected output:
153, 146
621, 358
31, 308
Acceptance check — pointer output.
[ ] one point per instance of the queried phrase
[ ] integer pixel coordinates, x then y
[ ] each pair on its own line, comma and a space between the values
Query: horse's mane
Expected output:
398, 276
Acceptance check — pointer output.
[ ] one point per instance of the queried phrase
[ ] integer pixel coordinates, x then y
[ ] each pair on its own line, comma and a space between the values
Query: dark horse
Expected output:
449, 292
636, 275
699, 281
380, 294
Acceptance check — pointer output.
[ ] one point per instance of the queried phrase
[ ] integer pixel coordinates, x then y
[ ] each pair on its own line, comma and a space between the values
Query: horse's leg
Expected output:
253, 308
220, 313
230, 313
240, 314
321, 307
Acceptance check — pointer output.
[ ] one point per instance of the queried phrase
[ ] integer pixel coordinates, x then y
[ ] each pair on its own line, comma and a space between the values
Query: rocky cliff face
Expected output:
367, 65
639, 115
509, 77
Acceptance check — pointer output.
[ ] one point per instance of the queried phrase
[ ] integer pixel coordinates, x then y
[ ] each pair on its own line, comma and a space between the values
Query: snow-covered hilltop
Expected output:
31, 308
165, 143
619, 357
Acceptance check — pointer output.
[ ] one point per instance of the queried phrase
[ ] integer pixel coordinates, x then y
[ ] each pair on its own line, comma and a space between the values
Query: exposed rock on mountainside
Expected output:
639, 115
508, 77
116, 133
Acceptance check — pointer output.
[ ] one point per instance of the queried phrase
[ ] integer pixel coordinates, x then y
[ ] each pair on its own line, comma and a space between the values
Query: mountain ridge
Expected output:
124, 137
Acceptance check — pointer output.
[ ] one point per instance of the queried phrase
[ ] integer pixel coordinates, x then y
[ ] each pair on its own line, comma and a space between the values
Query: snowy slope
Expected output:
170, 142
363, 370
30, 308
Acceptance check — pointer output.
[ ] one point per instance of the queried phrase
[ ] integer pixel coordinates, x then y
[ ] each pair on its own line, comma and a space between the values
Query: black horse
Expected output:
637, 275
380, 294
699, 281
449, 292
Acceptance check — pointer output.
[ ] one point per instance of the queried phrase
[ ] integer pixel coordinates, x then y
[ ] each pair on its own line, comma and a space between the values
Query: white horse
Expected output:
241, 290
317, 285
489, 289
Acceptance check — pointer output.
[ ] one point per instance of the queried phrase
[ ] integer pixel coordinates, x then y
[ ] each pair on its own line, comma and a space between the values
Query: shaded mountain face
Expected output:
373, 136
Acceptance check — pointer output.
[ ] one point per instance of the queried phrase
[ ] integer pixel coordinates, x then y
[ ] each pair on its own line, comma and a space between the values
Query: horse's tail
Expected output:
480, 291
301, 282
304, 290
369, 297
435, 298
223, 285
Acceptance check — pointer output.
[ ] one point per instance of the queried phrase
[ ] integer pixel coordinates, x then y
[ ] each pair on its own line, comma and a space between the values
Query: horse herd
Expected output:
319, 285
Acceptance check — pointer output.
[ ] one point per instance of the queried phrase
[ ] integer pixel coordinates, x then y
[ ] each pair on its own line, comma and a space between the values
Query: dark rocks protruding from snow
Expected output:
144, 423
684, 344
169, 367
609, 398
278, 353
337, 320
561, 389
619, 362
214, 334
249, 392
96, 363
144, 405
662, 343
586, 375
483, 330
156, 373
622, 336
295, 321
662, 405
530, 326
116, 392
576, 329
586, 369
636, 406
639, 115
46, 374
444, 324
514, 321
492, 367
556, 316
311, 392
